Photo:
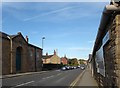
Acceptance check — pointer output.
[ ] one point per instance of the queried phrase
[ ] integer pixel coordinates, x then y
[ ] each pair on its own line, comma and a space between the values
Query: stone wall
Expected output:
6, 56
28, 61
111, 52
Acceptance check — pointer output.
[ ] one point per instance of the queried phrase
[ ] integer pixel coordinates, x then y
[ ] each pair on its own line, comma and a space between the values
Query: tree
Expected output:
73, 62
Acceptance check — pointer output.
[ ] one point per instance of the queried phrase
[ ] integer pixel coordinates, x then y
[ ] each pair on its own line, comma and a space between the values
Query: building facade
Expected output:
51, 62
18, 55
106, 53
51, 59
64, 60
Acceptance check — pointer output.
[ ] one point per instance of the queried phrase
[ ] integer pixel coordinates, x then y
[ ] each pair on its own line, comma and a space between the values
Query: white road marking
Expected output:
57, 70
58, 74
48, 77
23, 84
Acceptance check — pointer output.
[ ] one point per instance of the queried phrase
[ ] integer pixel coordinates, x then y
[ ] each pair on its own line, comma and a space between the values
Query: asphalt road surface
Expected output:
50, 78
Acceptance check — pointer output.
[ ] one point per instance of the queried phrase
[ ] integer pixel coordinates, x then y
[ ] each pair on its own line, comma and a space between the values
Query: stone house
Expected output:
18, 55
51, 61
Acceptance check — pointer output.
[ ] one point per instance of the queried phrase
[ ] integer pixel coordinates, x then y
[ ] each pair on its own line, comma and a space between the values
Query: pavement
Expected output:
20, 74
87, 79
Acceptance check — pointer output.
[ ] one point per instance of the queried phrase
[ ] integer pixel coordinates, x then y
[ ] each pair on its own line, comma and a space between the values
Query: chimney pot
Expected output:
27, 38
54, 52
46, 54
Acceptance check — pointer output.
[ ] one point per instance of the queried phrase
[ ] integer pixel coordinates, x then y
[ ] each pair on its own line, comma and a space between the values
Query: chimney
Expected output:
65, 56
54, 52
19, 33
27, 38
47, 54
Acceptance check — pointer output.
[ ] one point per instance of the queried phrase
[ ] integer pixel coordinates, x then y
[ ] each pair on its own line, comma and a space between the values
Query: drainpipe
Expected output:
11, 61
35, 61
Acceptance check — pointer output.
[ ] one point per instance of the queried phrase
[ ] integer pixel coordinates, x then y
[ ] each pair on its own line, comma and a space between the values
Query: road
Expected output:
51, 78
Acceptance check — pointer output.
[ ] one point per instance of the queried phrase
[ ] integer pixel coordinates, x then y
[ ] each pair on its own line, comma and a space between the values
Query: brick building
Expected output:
106, 52
18, 55
64, 60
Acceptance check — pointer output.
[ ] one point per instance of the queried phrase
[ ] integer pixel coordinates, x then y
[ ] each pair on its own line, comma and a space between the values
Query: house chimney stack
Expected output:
54, 52
47, 54
27, 38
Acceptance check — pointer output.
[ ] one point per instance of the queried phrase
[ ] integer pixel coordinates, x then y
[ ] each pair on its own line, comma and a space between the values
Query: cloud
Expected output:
49, 13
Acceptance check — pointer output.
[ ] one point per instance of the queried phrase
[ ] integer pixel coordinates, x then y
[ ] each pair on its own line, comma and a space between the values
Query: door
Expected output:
18, 59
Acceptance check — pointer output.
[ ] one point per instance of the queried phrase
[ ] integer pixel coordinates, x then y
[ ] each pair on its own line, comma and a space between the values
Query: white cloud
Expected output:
48, 13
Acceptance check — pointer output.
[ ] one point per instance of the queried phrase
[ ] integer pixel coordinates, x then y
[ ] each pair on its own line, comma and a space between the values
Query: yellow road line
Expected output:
76, 80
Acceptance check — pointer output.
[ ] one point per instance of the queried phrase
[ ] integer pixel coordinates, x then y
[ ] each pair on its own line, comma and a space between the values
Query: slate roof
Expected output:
49, 56
4, 35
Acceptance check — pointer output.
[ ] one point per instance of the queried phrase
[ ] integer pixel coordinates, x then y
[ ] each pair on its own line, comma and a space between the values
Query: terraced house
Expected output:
18, 55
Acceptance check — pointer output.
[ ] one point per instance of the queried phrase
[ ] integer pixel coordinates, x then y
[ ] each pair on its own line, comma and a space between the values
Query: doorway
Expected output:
18, 59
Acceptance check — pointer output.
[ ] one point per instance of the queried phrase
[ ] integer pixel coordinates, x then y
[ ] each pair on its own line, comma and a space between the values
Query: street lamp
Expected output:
42, 41
42, 47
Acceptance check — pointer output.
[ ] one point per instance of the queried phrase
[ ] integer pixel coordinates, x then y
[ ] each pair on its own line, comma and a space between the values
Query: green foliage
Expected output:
82, 61
73, 62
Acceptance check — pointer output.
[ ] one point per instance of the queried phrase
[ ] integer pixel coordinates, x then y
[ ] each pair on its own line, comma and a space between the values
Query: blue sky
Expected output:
69, 27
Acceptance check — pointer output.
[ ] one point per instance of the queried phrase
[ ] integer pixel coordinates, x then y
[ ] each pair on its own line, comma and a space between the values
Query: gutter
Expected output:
107, 13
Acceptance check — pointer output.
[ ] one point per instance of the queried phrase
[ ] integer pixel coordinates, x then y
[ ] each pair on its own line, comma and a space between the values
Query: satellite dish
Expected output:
115, 2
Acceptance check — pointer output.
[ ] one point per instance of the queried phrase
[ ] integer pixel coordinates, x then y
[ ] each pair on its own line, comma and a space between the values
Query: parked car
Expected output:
82, 67
75, 67
63, 68
67, 67
78, 66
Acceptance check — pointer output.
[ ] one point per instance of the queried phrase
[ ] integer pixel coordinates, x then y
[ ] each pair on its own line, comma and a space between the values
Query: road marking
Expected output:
57, 70
76, 80
23, 84
59, 74
48, 77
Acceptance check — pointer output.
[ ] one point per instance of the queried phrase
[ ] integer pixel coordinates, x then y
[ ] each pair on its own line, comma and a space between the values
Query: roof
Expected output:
105, 20
63, 58
4, 35
45, 57
34, 46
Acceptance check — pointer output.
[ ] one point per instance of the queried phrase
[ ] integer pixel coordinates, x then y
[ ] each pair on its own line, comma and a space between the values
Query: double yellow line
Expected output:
73, 84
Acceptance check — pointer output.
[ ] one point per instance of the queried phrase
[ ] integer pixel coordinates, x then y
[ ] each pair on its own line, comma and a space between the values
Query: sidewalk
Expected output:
87, 79
20, 74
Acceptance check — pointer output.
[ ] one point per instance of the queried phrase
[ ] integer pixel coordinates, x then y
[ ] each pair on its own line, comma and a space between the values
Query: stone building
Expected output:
51, 61
106, 51
18, 55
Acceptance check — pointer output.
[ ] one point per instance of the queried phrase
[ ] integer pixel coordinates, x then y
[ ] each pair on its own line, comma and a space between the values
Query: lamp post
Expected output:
42, 46
42, 41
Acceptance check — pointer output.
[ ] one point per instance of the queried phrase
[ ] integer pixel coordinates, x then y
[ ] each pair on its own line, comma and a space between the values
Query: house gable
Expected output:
19, 39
